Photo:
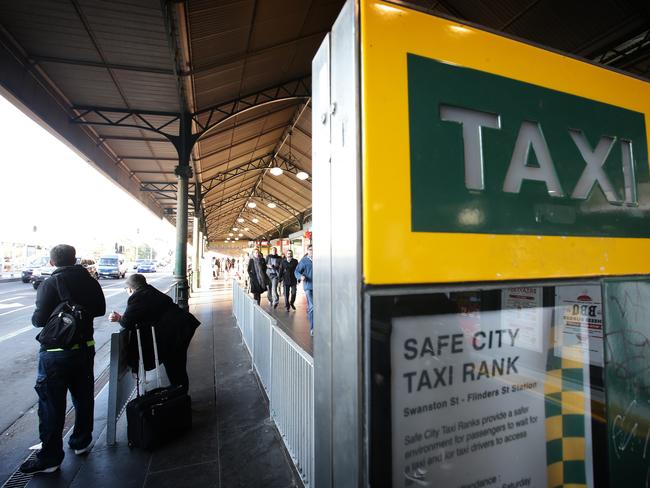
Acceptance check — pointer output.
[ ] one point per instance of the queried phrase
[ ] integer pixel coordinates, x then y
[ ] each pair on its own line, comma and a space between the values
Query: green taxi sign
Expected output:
492, 155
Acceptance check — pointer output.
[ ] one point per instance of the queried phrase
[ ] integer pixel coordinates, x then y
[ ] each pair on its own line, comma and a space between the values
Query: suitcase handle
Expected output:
155, 355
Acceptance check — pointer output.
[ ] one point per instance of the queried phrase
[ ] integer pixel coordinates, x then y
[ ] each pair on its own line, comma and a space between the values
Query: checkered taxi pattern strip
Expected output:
565, 422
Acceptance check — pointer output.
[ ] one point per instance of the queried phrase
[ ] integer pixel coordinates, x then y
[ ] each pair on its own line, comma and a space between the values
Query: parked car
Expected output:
35, 264
113, 266
45, 272
147, 267
137, 263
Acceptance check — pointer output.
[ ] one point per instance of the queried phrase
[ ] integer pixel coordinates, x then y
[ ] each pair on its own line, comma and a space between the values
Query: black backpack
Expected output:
64, 328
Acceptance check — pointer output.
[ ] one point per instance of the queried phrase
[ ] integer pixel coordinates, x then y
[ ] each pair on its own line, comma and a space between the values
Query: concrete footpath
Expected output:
233, 442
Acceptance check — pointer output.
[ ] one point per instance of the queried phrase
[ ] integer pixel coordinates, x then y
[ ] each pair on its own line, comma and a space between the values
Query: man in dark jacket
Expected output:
174, 327
65, 369
288, 278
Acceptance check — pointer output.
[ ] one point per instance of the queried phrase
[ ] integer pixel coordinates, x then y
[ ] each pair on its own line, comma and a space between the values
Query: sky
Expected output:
44, 184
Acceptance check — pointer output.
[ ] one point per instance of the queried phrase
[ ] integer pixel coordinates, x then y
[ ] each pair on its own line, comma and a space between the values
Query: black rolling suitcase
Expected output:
159, 415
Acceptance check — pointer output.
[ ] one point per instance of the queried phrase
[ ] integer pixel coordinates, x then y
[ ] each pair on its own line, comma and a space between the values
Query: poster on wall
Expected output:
522, 308
579, 323
462, 399
492, 396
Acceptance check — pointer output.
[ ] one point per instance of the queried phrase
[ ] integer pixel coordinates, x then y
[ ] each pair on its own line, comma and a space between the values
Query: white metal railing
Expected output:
287, 373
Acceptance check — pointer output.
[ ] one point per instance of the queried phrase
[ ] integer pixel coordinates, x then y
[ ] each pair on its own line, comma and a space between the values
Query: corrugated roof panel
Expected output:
129, 32
568, 28
272, 65
289, 191
208, 17
278, 22
154, 149
85, 85
149, 91
304, 53
321, 16
47, 28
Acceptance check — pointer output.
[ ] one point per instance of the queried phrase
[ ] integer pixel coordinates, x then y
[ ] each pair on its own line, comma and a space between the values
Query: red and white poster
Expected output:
579, 323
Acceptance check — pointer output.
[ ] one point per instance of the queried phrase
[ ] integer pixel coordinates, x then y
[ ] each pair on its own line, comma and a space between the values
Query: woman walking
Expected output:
257, 275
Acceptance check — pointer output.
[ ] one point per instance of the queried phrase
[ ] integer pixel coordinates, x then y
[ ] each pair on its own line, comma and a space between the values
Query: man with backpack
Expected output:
65, 363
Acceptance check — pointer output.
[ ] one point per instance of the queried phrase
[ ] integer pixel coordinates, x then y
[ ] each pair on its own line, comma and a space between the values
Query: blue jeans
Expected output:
310, 308
273, 291
58, 372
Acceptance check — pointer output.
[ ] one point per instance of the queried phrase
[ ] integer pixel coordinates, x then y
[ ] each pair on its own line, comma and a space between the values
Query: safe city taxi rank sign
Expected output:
488, 159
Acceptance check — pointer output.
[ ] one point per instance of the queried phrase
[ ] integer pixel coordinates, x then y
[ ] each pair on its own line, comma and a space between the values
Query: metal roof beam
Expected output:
133, 138
258, 193
294, 89
96, 64
146, 158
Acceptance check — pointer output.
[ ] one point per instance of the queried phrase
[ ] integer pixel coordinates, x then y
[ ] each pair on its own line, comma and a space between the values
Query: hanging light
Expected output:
271, 205
252, 204
240, 220
241, 235
246, 229
235, 229
276, 171
301, 175
236, 238
231, 234
255, 221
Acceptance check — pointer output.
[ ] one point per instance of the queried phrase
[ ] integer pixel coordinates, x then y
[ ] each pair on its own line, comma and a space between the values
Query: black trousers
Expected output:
176, 368
290, 300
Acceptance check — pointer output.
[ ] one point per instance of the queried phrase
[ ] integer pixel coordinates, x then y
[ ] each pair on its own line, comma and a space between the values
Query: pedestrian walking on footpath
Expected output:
304, 272
273, 262
288, 278
257, 275
66, 304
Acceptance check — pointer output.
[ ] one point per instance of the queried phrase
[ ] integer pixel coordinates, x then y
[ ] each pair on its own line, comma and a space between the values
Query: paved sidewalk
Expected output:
233, 442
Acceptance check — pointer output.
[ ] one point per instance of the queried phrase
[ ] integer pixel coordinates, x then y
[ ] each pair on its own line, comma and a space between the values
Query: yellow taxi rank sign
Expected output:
489, 159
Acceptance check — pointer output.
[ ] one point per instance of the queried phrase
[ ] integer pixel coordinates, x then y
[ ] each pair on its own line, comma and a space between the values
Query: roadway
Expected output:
19, 349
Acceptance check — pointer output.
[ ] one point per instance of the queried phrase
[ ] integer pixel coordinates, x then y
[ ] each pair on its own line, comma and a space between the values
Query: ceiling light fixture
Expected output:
276, 171
255, 221
252, 204
301, 175
271, 205
236, 238
241, 235
240, 220
246, 229
231, 234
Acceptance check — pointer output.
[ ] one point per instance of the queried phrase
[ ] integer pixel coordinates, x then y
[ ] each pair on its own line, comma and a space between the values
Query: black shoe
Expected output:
275, 306
35, 465
293, 306
287, 308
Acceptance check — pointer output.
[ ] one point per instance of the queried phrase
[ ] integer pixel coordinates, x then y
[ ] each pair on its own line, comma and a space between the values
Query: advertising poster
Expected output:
467, 399
522, 308
579, 323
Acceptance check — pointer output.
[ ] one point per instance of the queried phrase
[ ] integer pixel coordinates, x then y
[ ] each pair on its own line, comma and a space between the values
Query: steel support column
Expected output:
183, 171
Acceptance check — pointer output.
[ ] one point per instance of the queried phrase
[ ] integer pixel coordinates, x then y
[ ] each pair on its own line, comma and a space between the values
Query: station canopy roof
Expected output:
116, 79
